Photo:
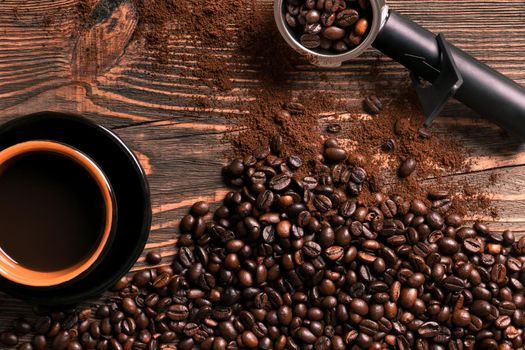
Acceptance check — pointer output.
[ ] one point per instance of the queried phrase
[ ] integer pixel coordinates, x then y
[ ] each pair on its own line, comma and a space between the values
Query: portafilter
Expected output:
448, 71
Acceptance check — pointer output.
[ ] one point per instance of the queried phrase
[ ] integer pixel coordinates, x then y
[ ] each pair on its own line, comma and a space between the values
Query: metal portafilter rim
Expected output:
326, 59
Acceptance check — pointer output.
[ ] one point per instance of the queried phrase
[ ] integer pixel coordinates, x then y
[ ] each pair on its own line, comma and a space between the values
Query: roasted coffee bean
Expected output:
334, 33
434, 220
61, 341
442, 205
290, 20
279, 182
264, 200
160, 281
249, 339
453, 284
142, 277
429, 329
408, 297
21, 326
461, 318
498, 273
347, 17
322, 203
361, 26
472, 245
372, 104
39, 342
407, 167
334, 128
311, 249
312, 16
359, 306
199, 208
177, 312
448, 246
334, 252
294, 108
28, 346
122, 283
335, 154
295, 162
368, 327
129, 306
8, 339
310, 41
42, 325
306, 336
389, 145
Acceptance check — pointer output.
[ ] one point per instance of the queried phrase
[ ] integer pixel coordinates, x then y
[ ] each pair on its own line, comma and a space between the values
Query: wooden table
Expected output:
107, 76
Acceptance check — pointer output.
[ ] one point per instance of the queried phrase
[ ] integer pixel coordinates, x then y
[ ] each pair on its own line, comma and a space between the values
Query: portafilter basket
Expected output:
450, 71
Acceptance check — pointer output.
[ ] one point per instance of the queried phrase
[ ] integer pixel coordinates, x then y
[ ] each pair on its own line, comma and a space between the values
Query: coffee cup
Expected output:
57, 213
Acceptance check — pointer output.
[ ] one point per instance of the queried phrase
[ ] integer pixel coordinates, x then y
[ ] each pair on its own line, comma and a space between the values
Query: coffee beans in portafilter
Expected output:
333, 25
293, 261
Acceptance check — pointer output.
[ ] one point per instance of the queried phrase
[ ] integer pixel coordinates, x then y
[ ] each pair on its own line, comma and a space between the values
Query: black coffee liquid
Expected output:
52, 212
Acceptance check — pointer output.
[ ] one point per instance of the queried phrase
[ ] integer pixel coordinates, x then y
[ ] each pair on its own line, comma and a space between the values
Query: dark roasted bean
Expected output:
61, 341
372, 103
310, 41
407, 167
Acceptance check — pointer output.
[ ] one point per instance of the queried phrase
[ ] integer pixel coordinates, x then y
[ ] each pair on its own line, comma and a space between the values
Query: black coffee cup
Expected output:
57, 213
121, 219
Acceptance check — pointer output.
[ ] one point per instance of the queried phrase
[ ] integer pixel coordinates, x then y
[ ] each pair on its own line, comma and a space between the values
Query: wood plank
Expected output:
44, 65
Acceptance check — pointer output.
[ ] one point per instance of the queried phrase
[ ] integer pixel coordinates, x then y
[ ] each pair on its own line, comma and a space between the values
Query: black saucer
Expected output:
131, 190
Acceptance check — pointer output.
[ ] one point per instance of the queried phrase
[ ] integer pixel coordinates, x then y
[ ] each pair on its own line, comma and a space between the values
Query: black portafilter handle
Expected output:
452, 73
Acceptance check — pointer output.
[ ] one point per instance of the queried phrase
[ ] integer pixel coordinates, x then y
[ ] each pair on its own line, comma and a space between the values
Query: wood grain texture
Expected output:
48, 61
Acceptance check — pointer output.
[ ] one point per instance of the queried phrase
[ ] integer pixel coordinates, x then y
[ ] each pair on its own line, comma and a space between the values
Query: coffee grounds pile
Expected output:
291, 262
396, 133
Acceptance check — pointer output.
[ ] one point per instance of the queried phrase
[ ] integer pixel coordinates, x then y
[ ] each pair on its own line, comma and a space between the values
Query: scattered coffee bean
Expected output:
372, 104
153, 258
27, 346
389, 145
335, 154
407, 167
294, 108
424, 133
61, 341
8, 339
333, 128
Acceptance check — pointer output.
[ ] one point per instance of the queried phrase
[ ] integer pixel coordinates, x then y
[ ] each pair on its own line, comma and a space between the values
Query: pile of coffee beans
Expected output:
297, 262
335, 25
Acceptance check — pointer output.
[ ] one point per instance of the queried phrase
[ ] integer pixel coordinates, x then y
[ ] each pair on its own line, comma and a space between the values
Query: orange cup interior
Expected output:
29, 277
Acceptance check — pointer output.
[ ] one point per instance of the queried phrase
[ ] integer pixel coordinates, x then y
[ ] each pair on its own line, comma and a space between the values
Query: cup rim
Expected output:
17, 273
